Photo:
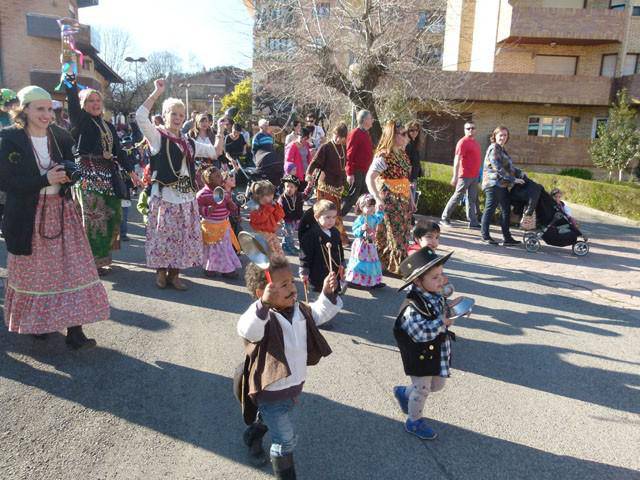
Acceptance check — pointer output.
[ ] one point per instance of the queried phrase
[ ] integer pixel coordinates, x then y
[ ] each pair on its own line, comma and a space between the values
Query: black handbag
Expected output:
119, 183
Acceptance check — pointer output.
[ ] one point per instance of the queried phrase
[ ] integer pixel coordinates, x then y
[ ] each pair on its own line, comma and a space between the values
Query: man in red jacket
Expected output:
359, 158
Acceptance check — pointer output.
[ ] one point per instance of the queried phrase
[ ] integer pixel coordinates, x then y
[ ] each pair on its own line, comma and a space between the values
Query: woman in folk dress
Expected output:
52, 280
174, 239
98, 147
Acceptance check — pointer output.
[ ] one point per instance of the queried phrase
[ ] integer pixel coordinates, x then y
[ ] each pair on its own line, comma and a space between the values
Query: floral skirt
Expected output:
174, 238
364, 266
274, 243
57, 286
393, 234
221, 256
101, 217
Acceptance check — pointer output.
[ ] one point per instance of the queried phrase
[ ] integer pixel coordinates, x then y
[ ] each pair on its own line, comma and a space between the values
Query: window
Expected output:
630, 66
598, 122
73, 13
431, 21
279, 44
87, 64
636, 12
322, 10
608, 67
549, 126
556, 64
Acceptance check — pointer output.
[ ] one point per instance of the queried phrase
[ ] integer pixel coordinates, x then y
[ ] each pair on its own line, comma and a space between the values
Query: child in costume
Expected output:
556, 194
229, 183
422, 335
219, 240
266, 219
364, 269
425, 234
291, 202
316, 261
281, 339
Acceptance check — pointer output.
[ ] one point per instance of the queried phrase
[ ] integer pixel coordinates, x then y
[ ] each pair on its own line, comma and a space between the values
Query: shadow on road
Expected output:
198, 407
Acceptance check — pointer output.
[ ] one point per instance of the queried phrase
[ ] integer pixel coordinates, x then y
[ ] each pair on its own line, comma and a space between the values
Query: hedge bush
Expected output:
615, 198
577, 173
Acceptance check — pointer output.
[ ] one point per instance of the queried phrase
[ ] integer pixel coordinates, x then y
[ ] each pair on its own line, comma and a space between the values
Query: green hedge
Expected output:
576, 172
615, 198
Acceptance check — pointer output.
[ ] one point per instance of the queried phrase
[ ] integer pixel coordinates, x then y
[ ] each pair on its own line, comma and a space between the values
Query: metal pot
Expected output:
459, 307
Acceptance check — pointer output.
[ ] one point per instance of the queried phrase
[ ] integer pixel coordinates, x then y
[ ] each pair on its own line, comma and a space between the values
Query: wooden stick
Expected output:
306, 294
328, 245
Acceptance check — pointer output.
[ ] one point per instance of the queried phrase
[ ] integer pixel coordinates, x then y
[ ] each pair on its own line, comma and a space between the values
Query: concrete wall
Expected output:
484, 35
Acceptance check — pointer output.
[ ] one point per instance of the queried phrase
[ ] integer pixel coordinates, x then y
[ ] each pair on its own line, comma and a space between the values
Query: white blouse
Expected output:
152, 134
44, 161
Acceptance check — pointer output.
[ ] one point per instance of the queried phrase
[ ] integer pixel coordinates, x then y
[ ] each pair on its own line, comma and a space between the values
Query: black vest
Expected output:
419, 359
166, 171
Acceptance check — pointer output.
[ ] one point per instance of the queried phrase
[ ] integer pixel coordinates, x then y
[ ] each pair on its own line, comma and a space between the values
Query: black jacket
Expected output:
313, 254
21, 179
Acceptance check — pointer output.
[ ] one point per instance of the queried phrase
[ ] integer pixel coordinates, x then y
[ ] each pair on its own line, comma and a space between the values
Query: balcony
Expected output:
526, 88
562, 26
631, 83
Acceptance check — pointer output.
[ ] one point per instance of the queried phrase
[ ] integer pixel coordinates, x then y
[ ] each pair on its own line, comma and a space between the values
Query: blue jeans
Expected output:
290, 230
493, 197
277, 417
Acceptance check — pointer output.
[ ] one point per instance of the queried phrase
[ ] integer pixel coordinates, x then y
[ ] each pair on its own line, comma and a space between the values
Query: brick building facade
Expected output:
546, 69
30, 45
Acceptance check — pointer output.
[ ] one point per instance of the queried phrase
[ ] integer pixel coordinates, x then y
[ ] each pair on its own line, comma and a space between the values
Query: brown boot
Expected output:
161, 278
174, 279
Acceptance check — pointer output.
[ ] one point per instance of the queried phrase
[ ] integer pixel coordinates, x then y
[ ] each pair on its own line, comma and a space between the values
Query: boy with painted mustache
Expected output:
281, 338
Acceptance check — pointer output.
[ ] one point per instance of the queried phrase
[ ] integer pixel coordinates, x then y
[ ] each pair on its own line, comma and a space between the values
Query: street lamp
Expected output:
135, 61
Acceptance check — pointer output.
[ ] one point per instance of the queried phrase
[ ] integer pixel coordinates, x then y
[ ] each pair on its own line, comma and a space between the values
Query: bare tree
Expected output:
372, 54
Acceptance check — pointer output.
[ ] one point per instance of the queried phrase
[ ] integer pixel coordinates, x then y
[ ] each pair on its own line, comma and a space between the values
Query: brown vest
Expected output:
265, 361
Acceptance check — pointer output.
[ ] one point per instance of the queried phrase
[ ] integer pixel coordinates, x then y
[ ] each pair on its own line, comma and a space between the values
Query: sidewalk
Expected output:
609, 274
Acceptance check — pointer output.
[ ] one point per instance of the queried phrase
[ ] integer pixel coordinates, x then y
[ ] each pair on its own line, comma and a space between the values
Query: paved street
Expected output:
546, 379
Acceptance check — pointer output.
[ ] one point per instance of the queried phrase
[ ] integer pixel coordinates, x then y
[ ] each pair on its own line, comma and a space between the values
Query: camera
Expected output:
72, 170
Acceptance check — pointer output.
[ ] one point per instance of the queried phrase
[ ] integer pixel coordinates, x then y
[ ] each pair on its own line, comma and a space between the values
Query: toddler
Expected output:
291, 202
219, 240
316, 261
266, 219
423, 338
364, 269
425, 234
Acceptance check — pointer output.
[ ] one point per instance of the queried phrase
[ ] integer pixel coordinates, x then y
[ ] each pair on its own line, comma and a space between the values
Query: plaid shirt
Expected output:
425, 329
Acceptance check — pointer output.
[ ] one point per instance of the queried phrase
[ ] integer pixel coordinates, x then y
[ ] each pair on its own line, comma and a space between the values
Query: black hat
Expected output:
418, 263
291, 179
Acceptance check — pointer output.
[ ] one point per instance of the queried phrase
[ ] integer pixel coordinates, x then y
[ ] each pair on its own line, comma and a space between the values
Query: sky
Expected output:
204, 33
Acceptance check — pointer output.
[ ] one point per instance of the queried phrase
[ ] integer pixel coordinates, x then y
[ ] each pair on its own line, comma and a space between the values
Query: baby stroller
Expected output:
269, 167
552, 224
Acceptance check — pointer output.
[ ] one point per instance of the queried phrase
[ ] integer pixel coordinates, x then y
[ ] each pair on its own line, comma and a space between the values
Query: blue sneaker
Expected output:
401, 396
420, 429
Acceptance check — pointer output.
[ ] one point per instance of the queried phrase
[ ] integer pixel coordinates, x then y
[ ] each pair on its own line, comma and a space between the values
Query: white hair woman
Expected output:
100, 154
174, 239
52, 283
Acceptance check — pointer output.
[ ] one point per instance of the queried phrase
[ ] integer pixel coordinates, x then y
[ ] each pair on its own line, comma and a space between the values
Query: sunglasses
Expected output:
469, 128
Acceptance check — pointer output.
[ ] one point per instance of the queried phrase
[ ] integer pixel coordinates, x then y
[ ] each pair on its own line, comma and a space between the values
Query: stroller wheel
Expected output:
531, 243
580, 249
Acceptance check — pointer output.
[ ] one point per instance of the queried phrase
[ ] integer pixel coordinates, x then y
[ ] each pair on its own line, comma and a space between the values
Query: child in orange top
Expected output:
269, 215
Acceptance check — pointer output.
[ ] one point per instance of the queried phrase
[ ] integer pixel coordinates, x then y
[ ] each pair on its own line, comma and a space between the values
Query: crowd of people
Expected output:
67, 188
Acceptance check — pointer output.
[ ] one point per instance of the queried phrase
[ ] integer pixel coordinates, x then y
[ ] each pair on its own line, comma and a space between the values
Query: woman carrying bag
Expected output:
52, 280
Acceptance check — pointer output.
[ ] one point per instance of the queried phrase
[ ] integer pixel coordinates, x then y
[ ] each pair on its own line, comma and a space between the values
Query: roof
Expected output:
105, 70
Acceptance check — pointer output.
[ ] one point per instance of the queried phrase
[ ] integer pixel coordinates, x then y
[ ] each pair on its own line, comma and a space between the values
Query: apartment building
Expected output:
30, 45
547, 69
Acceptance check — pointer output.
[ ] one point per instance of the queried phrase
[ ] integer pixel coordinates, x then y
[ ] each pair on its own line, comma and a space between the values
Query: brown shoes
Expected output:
173, 279
161, 278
